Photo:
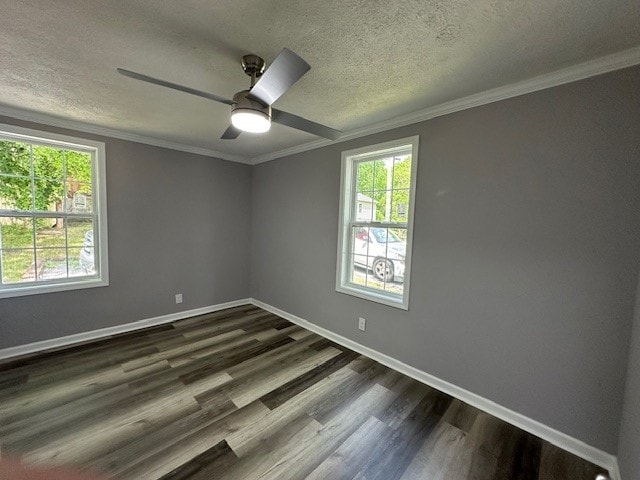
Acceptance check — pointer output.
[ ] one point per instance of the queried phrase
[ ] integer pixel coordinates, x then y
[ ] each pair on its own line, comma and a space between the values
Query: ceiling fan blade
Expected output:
174, 86
285, 70
294, 121
231, 133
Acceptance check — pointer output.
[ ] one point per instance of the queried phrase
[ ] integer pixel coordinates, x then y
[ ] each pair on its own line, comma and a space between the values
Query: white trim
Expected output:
115, 330
100, 206
372, 295
99, 184
562, 440
54, 121
347, 190
39, 288
591, 68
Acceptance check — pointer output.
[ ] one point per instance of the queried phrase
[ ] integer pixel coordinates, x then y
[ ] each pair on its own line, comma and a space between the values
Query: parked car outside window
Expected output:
382, 251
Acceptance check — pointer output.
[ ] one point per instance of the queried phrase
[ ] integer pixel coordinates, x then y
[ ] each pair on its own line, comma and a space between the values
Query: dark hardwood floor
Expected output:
244, 394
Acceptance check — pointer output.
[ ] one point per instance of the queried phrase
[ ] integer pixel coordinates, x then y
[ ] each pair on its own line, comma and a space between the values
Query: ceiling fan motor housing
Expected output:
241, 102
253, 65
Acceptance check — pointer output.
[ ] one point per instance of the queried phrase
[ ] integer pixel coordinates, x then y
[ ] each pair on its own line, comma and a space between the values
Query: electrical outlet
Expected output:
362, 324
178, 298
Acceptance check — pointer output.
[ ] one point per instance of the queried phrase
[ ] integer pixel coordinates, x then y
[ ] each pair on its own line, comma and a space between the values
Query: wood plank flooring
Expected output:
243, 394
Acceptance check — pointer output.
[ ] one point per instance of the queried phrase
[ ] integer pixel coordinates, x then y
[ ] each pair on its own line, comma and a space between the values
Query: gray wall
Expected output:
177, 222
525, 251
629, 446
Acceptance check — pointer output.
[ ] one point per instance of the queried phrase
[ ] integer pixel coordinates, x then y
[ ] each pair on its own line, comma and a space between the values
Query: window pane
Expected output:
52, 263
16, 232
379, 253
16, 242
81, 246
401, 235
79, 197
394, 287
400, 206
76, 266
15, 158
77, 230
48, 195
368, 277
383, 207
50, 232
85, 258
402, 172
78, 167
380, 175
15, 193
48, 162
360, 240
358, 269
364, 177
18, 265
365, 207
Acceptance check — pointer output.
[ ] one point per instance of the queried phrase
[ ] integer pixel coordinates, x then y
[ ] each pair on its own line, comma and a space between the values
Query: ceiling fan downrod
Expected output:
253, 66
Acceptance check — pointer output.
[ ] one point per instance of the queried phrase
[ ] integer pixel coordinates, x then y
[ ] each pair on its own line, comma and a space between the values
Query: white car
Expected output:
381, 251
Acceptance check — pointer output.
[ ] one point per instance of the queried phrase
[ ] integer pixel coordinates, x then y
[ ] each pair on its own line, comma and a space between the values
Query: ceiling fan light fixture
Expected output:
250, 115
250, 121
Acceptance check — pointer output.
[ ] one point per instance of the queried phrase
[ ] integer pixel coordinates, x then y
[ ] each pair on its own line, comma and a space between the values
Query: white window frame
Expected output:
347, 214
97, 152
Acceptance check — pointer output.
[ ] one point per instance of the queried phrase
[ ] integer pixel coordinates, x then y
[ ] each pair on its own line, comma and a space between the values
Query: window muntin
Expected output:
376, 218
52, 213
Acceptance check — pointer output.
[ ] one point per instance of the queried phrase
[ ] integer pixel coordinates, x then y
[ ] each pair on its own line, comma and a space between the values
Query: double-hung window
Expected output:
53, 224
376, 221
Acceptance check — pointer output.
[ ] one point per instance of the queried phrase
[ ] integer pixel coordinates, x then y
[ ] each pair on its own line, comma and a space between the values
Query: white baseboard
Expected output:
108, 331
562, 440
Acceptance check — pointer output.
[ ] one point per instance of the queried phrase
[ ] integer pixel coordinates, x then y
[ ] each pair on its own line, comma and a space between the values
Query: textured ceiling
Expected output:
370, 60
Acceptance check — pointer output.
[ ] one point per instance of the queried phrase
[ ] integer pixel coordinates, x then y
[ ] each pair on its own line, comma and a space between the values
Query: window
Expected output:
376, 221
53, 224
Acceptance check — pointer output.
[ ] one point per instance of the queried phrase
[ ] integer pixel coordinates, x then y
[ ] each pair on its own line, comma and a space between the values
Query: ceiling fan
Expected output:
251, 109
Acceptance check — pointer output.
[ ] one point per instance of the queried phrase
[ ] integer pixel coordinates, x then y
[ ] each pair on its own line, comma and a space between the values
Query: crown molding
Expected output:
591, 68
54, 121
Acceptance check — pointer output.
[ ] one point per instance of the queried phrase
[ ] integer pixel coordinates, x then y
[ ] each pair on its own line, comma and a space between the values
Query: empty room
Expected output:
345, 240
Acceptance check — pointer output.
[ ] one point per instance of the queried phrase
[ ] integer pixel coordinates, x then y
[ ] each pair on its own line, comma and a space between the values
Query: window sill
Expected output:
394, 301
24, 290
